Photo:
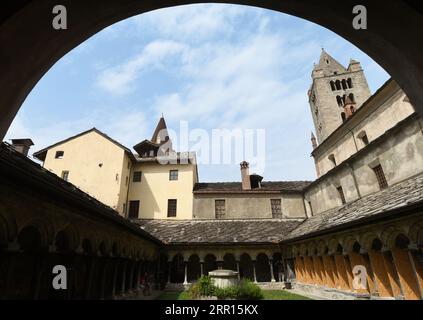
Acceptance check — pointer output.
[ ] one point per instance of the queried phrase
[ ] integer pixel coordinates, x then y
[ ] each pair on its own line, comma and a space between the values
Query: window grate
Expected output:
134, 207
173, 175
171, 207
341, 194
276, 208
137, 176
380, 176
220, 209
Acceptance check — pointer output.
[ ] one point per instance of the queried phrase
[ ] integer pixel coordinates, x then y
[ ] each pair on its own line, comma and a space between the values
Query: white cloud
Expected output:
120, 79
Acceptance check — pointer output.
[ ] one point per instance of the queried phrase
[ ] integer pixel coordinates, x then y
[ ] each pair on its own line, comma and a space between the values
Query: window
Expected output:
59, 154
344, 84
349, 82
338, 85
276, 208
219, 209
171, 207
332, 159
365, 139
65, 175
137, 176
332, 85
351, 96
341, 194
343, 116
339, 101
173, 175
380, 176
134, 207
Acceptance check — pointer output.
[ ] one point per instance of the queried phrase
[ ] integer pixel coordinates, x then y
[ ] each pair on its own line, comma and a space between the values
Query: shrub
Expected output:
206, 286
194, 291
247, 290
244, 290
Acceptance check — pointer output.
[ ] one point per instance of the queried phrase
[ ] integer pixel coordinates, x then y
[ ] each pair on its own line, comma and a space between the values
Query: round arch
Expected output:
27, 23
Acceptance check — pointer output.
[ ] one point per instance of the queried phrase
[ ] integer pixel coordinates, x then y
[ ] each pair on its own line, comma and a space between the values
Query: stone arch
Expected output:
415, 233
229, 262
333, 245
312, 248
30, 239
8, 226
210, 263
262, 268
46, 229
389, 235
246, 266
72, 237
348, 242
366, 240
322, 248
194, 268
177, 271
303, 249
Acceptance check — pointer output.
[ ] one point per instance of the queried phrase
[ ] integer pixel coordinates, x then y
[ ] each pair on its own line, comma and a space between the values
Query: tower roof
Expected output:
160, 134
329, 65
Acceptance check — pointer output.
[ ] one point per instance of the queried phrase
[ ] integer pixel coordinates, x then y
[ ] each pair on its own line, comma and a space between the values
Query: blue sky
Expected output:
213, 65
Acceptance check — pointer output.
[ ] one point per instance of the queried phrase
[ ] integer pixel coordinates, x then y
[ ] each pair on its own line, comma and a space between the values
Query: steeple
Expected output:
160, 135
331, 84
328, 65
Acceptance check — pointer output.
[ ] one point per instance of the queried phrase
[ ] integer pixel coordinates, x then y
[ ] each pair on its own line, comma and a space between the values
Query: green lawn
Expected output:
268, 295
282, 295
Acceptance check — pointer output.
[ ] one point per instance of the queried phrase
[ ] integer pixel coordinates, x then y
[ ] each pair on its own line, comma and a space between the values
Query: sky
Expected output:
212, 66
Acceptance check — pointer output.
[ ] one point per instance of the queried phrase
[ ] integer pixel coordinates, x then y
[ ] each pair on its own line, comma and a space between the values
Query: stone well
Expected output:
224, 278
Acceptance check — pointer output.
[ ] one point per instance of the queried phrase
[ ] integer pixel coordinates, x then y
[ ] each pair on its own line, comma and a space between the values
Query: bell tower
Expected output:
332, 84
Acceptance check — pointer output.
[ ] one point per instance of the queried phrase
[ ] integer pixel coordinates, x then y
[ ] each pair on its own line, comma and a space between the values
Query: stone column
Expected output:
392, 273
330, 281
202, 268
169, 272
381, 278
115, 273
272, 276
237, 269
318, 274
342, 272
406, 274
220, 265
186, 273
417, 268
254, 272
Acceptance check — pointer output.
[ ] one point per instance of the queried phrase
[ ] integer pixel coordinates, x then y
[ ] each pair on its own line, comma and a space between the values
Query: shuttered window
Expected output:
220, 209
276, 208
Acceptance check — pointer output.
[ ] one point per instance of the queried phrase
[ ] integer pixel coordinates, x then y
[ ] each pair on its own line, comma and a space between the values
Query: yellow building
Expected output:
155, 183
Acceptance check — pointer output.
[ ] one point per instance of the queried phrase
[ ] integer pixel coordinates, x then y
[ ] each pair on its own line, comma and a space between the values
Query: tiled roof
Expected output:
397, 197
274, 186
202, 232
15, 168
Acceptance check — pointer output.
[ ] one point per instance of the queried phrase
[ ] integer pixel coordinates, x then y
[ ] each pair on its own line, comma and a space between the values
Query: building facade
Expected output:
363, 210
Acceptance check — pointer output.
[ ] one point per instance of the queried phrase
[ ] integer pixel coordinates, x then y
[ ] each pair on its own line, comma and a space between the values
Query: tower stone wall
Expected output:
332, 83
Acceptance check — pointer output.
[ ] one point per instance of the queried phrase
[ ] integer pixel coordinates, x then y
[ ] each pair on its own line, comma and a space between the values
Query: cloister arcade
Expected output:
260, 266
392, 256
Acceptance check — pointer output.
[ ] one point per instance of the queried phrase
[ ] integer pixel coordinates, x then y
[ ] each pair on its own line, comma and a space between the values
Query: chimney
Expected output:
245, 175
22, 145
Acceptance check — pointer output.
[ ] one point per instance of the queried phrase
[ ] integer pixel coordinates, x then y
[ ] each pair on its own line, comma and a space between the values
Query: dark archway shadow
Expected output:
393, 38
